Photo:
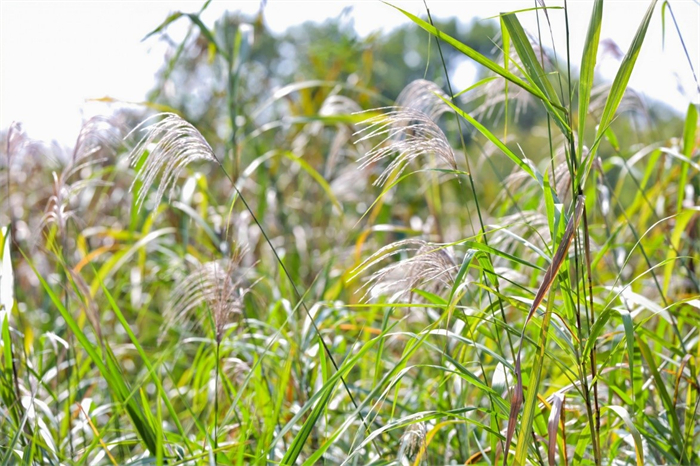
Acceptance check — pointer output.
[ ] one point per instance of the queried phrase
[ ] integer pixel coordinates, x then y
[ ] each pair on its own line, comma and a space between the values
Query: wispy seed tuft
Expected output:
424, 96
430, 266
412, 443
408, 133
218, 285
172, 144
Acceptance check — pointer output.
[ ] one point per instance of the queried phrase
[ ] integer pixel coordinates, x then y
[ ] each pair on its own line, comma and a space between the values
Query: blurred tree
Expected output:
194, 84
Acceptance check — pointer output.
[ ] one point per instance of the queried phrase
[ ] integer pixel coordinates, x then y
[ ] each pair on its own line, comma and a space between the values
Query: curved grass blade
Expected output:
482, 60
552, 426
663, 393
624, 415
491, 137
535, 72
115, 381
320, 399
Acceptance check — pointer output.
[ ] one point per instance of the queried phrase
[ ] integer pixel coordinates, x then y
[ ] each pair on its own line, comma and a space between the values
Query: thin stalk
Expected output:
216, 395
232, 88
299, 297
589, 275
549, 121
66, 304
576, 190
685, 49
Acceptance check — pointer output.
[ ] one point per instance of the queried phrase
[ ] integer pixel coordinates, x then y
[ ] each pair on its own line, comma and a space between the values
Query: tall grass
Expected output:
363, 286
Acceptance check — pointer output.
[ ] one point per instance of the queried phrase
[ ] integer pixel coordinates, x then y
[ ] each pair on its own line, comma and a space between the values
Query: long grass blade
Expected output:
617, 91
588, 62
547, 281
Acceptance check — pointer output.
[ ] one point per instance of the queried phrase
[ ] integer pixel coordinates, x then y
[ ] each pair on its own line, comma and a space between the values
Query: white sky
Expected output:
54, 55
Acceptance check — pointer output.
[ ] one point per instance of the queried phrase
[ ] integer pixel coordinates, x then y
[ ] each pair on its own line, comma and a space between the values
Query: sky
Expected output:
55, 56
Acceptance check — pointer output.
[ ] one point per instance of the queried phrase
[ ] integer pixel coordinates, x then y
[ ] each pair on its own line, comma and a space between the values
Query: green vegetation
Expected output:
319, 251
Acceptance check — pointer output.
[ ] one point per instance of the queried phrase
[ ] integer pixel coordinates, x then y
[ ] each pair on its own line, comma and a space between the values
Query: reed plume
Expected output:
99, 138
412, 444
219, 285
409, 134
430, 264
409, 130
172, 143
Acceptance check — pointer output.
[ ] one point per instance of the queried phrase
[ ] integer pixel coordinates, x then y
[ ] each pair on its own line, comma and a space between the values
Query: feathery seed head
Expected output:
173, 143
412, 443
98, 138
408, 133
424, 96
431, 264
218, 285
339, 105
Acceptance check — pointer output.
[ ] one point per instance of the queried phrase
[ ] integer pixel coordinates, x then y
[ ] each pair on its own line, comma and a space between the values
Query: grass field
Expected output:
322, 276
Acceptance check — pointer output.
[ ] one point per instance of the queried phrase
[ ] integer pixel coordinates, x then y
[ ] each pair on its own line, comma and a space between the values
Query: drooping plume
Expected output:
429, 266
173, 143
99, 138
412, 444
424, 96
408, 134
408, 131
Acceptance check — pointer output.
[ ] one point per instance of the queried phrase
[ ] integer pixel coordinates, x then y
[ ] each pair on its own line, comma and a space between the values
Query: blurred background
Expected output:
57, 57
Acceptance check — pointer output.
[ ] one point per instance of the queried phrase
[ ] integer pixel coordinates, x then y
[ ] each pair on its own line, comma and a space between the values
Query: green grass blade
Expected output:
588, 61
617, 91
151, 369
298, 444
318, 400
535, 72
663, 393
108, 370
492, 137
530, 405
479, 58
624, 415
317, 177
689, 130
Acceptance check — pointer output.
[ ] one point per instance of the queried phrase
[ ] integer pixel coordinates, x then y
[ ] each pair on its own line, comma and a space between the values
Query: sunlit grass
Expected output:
325, 282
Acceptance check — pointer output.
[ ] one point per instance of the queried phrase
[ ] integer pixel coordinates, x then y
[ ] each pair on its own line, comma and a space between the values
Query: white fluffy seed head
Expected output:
429, 265
172, 144
406, 135
412, 443
219, 286
424, 96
